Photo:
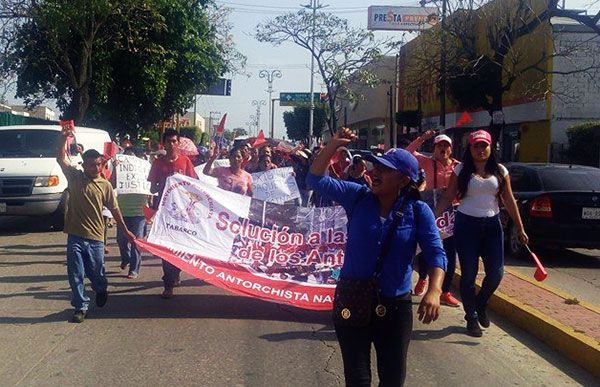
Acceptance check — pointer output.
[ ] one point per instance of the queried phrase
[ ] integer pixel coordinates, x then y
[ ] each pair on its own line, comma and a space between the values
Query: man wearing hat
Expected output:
437, 175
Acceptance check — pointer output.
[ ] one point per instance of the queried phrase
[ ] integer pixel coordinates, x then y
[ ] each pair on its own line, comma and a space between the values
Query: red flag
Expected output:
110, 150
464, 119
540, 271
221, 126
67, 126
260, 139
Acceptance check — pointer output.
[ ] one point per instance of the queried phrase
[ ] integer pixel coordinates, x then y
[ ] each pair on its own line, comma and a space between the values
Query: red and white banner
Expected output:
280, 253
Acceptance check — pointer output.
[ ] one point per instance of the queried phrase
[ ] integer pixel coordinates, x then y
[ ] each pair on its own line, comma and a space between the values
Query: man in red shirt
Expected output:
170, 164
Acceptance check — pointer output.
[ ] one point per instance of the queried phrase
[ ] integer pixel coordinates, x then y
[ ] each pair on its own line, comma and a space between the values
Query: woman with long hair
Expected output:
232, 178
480, 182
385, 223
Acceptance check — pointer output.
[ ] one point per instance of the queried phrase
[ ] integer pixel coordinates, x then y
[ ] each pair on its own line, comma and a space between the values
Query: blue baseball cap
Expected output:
400, 160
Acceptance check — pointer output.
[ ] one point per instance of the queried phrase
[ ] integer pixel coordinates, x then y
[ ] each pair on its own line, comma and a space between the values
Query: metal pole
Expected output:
273, 116
314, 5
443, 68
311, 117
270, 75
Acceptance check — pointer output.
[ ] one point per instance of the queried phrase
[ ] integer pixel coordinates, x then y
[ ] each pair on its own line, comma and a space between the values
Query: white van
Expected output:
31, 181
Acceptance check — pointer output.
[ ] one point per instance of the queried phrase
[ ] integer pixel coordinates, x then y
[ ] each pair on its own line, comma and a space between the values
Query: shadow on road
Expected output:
188, 306
430, 334
325, 333
20, 225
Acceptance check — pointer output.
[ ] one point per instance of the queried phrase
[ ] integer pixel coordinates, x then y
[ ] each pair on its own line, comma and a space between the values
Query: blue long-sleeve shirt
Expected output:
366, 234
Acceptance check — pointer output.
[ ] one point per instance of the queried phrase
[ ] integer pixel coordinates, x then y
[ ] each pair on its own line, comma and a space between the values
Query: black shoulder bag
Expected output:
356, 299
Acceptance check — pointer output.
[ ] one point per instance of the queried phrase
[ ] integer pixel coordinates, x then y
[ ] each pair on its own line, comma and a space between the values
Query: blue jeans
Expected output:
478, 237
85, 257
450, 250
129, 252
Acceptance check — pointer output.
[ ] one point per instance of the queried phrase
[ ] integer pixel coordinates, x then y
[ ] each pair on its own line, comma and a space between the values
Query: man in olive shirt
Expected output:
84, 224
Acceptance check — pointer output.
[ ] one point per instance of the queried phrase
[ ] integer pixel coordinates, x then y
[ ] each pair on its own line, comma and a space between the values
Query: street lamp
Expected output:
258, 103
270, 75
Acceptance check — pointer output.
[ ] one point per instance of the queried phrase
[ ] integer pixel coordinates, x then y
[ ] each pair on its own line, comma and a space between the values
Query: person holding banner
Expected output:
171, 163
480, 182
385, 223
438, 170
232, 178
132, 208
84, 225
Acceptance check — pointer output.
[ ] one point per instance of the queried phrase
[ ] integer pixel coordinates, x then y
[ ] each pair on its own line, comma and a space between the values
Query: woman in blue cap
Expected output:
385, 223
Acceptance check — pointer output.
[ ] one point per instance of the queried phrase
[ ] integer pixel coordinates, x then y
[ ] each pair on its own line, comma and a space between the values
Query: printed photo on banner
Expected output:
445, 222
132, 175
276, 185
281, 253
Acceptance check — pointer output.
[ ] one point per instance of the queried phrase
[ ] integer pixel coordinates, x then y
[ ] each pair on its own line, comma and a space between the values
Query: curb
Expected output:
581, 349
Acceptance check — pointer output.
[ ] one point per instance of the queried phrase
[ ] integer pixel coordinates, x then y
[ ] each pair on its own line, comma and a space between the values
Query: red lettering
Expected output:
224, 218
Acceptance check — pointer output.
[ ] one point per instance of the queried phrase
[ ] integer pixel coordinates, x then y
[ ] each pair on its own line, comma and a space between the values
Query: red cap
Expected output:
480, 136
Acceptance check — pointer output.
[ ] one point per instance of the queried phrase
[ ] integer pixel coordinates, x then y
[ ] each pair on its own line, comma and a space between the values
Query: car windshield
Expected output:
565, 179
28, 143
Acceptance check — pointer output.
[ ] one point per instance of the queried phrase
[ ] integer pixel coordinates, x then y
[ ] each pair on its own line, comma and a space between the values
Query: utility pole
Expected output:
270, 75
314, 5
258, 103
442, 120
273, 116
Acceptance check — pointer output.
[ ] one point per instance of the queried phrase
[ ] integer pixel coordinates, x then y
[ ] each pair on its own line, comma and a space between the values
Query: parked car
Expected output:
559, 205
31, 181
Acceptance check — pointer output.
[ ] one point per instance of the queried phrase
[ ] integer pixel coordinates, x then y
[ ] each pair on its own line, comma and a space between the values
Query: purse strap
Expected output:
385, 247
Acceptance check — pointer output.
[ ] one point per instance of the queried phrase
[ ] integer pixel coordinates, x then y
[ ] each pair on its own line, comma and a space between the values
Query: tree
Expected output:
340, 51
297, 122
120, 65
489, 50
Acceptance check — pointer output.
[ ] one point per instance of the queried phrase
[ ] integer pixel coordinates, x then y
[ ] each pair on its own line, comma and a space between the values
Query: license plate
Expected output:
2, 208
590, 213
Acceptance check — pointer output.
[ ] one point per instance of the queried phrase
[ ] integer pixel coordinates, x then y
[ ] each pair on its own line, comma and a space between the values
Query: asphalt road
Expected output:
205, 336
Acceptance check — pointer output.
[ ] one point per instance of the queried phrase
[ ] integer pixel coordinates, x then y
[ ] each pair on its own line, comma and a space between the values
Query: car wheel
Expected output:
514, 246
58, 218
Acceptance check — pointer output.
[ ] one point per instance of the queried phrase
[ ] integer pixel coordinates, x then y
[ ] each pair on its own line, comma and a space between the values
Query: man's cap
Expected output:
480, 136
442, 137
399, 160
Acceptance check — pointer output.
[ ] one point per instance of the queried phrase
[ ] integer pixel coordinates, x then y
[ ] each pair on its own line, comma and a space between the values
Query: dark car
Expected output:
559, 205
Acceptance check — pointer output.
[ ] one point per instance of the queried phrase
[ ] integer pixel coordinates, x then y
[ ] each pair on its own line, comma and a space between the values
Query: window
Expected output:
28, 143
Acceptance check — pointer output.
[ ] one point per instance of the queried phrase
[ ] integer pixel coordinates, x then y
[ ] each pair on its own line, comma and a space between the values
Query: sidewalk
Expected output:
570, 326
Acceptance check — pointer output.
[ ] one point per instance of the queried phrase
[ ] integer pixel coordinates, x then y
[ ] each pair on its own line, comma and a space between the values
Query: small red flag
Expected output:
464, 119
260, 139
221, 126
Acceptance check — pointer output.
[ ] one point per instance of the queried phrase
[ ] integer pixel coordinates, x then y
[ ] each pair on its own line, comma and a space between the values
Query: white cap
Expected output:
442, 137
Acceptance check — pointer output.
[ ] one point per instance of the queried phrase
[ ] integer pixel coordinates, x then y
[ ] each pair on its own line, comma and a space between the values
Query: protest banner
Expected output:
132, 175
276, 185
280, 253
445, 222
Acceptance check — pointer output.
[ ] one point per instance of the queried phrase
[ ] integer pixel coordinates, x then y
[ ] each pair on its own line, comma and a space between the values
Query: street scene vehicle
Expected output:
559, 205
31, 182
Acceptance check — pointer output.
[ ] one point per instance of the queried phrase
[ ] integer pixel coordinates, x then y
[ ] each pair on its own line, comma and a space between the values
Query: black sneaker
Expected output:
483, 318
101, 298
473, 328
79, 316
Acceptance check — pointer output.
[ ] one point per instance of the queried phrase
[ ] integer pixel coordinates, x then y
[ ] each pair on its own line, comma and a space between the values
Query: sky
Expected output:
293, 61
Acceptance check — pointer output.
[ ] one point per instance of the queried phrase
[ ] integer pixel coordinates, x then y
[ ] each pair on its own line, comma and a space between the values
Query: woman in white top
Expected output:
479, 182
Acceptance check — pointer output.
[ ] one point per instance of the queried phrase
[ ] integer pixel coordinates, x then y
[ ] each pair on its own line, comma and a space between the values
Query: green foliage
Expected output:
584, 143
343, 54
121, 65
297, 121
194, 133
